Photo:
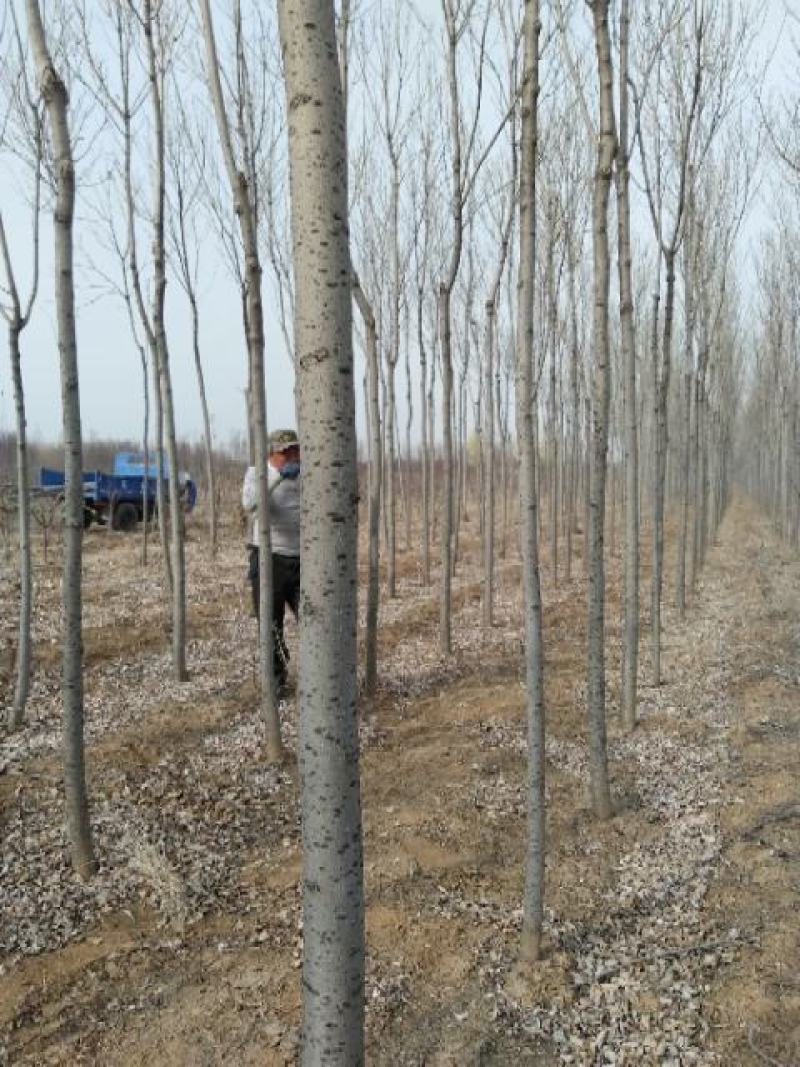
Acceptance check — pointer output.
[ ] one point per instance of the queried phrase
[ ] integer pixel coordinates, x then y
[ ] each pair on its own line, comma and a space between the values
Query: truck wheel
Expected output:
88, 518
125, 517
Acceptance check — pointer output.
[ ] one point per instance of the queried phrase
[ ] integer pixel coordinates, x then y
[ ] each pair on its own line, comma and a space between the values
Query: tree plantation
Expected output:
467, 330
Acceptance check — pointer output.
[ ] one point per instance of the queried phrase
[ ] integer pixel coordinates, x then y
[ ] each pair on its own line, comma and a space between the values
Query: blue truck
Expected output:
122, 495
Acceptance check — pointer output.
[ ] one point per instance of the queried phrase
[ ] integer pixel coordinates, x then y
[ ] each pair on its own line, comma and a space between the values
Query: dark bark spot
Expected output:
317, 355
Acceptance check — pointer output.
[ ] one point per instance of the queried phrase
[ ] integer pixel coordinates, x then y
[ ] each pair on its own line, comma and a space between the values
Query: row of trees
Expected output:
327, 422
482, 168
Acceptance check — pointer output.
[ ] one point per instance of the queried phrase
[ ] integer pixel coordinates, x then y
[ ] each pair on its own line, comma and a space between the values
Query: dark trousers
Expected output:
285, 590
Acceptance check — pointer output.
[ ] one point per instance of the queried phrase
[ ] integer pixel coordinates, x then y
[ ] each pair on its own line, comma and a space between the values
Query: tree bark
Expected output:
125, 116
162, 354
601, 392
333, 896
445, 335
22, 687
188, 282
533, 899
489, 444
54, 93
630, 652
375, 480
17, 320
427, 445
446, 532
254, 322
392, 356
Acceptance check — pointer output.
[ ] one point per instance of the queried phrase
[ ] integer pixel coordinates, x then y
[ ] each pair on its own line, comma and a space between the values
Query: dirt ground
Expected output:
673, 933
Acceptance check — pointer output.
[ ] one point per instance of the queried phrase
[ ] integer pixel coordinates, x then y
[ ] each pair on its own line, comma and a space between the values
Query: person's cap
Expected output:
280, 440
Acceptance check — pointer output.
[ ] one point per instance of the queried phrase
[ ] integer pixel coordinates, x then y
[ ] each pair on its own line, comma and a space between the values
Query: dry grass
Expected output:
165, 885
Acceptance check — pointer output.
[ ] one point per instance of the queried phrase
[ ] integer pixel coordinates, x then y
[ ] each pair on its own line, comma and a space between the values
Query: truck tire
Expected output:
125, 517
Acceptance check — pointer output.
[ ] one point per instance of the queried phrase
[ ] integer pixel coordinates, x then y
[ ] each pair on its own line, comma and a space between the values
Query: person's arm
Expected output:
249, 492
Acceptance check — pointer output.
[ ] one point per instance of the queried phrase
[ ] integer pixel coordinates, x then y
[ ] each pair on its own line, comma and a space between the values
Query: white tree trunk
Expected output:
333, 899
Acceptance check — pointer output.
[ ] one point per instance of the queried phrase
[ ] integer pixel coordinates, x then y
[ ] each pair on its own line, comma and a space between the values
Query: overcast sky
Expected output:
110, 373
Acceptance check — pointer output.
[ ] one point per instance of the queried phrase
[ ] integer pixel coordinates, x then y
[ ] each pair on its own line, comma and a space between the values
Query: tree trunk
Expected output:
162, 356
489, 450
601, 392
254, 322
409, 497
54, 94
162, 508
427, 445
188, 284
432, 443
575, 419
146, 501
133, 268
22, 688
375, 472
680, 577
446, 532
630, 652
333, 900
552, 330
445, 338
533, 900
662, 442
392, 355
488, 469
503, 464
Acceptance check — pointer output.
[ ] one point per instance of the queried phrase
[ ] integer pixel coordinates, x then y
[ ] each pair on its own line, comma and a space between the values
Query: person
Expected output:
284, 485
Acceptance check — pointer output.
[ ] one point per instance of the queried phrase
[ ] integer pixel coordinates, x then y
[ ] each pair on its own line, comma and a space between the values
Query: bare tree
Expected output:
372, 388
240, 178
333, 896
601, 392
533, 900
596, 410
155, 36
186, 250
454, 33
54, 94
489, 362
422, 208
375, 483
392, 78
630, 651
669, 235
159, 34
17, 315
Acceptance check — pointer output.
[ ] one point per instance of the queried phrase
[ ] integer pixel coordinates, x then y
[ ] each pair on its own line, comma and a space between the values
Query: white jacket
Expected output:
284, 510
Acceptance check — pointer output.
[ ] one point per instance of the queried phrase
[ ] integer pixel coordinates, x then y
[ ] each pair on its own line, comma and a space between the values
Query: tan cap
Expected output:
280, 440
